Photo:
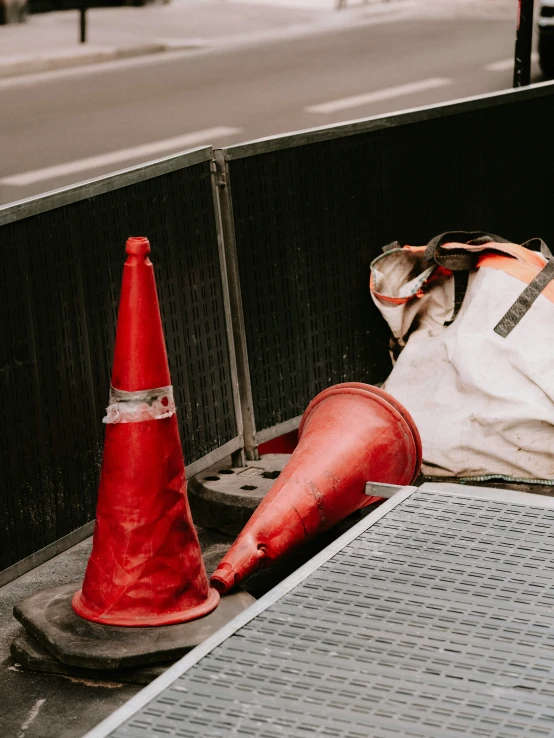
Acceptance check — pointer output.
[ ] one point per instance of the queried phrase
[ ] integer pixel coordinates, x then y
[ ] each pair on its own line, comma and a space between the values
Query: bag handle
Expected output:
458, 260
461, 262
537, 244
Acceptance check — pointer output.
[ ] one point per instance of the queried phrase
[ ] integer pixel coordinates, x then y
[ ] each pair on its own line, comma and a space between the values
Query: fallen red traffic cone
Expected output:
350, 434
145, 567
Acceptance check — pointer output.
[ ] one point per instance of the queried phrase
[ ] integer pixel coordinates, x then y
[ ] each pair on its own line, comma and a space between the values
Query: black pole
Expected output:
524, 43
83, 21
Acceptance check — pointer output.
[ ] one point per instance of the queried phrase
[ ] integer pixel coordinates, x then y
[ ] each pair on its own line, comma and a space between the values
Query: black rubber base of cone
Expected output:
32, 656
47, 615
223, 498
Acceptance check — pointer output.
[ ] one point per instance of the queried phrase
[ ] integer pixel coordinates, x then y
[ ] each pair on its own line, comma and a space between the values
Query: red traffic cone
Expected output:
145, 567
350, 434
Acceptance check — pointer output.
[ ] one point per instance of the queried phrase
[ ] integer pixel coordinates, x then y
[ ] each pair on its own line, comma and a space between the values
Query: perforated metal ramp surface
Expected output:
436, 619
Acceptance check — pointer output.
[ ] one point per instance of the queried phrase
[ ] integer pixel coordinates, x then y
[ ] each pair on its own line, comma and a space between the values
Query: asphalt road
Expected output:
235, 95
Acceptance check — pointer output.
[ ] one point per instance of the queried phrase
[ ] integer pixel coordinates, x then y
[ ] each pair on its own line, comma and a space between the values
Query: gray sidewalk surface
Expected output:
49, 41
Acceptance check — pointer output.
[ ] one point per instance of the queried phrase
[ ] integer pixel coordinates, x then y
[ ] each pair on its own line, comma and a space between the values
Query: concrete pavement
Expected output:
49, 41
482, 7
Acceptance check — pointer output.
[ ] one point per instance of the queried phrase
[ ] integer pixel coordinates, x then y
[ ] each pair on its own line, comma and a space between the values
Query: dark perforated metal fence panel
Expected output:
60, 279
304, 252
312, 210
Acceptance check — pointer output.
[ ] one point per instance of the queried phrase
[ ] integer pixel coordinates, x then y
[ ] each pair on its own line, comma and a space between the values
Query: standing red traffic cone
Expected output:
350, 434
145, 567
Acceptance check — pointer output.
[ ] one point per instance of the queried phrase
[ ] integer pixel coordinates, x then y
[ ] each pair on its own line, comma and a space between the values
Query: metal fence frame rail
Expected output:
100, 185
383, 121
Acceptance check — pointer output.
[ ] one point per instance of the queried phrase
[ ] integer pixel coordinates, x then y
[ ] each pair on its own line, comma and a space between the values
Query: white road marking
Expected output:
31, 717
188, 140
371, 97
505, 64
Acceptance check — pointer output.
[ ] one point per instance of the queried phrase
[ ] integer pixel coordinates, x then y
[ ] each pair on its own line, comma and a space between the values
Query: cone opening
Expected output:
383, 398
219, 585
224, 578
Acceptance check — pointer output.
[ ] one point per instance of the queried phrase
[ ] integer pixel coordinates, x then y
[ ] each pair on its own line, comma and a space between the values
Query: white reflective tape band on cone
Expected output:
138, 407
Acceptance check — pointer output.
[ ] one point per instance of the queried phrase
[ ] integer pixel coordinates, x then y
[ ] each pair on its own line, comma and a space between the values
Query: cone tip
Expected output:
137, 246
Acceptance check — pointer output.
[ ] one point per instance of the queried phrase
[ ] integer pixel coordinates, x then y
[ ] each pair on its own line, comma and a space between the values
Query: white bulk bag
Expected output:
473, 318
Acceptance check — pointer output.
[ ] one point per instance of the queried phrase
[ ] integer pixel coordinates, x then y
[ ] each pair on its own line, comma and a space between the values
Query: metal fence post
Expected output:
83, 6
524, 43
234, 314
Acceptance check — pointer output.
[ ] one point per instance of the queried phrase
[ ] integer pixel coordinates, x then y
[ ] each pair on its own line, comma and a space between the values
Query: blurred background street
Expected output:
154, 80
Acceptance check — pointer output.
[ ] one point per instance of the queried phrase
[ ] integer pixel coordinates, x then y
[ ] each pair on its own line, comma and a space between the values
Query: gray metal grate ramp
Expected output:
437, 619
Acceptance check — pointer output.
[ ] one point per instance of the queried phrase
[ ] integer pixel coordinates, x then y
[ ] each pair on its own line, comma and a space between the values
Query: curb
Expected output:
32, 63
